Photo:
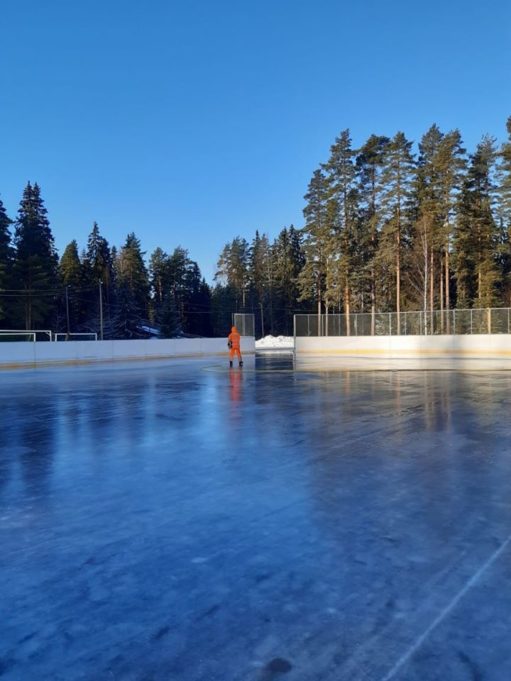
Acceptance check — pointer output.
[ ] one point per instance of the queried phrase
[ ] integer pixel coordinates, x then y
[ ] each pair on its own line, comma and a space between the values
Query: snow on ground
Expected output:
274, 342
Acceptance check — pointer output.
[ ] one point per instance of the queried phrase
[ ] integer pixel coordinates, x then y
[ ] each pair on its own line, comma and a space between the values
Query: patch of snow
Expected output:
149, 329
276, 342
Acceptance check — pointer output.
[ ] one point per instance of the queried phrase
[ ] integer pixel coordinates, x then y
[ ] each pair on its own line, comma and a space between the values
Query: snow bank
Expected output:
275, 342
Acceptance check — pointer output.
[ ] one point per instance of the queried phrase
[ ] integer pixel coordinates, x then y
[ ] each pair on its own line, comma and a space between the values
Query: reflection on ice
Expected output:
180, 520
317, 363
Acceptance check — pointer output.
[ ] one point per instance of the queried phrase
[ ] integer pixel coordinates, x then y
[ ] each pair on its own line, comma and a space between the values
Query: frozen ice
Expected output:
180, 521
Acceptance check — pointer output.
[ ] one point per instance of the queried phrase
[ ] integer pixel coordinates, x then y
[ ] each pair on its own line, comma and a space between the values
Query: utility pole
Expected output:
67, 313
100, 310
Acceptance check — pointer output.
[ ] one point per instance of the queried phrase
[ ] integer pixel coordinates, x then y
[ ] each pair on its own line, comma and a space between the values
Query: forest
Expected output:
388, 227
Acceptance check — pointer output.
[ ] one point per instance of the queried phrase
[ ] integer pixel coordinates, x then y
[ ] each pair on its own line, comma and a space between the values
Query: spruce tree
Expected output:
71, 277
132, 289
99, 257
70, 266
169, 318
35, 266
6, 264
289, 260
196, 302
98, 267
261, 281
224, 299
158, 280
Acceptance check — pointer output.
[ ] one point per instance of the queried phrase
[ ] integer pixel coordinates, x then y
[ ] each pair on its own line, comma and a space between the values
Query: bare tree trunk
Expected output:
447, 282
347, 308
373, 301
28, 308
441, 293
28, 313
425, 284
431, 286
373, 288
398, 279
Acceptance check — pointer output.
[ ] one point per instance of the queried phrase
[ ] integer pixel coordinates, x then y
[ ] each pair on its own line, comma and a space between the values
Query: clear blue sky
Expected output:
193, 121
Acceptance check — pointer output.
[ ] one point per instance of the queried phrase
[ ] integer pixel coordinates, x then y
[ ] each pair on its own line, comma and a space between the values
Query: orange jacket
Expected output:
235, 338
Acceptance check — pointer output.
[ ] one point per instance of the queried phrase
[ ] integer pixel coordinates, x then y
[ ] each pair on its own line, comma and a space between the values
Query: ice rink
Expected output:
182, 522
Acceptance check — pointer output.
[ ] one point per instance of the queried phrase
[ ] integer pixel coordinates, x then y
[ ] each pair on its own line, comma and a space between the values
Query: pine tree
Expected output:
318, 230
342, 258
396, 182
6, 264
451, 169
232, 270
504, 215
35, 266
438, 182
476, 236
369, 165
159, 273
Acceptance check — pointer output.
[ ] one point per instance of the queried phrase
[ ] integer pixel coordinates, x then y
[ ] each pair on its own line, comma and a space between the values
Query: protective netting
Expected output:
438, 322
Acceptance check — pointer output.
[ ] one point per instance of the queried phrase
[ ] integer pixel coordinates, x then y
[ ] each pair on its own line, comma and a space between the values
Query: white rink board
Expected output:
477, 346
20, 354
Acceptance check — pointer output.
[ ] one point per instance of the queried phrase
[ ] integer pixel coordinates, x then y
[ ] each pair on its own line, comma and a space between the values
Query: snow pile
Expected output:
149, 329
275, 343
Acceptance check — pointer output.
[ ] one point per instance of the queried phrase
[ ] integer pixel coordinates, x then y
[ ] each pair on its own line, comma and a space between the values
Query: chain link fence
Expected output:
438, 322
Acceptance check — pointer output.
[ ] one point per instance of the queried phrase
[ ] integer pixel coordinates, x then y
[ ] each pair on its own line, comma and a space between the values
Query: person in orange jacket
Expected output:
233, 343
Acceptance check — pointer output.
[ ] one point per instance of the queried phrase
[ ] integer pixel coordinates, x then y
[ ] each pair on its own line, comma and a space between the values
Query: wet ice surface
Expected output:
178, 521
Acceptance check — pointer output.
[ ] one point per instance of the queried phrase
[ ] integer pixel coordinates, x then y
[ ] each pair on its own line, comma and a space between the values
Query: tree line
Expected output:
116, 292
387, 227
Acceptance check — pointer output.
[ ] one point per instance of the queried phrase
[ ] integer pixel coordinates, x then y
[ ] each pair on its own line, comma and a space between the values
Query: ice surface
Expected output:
180, 521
